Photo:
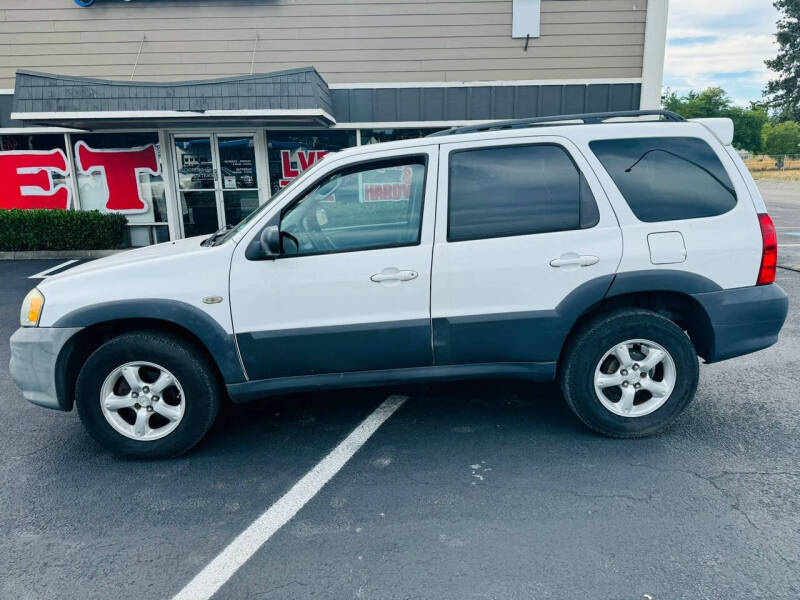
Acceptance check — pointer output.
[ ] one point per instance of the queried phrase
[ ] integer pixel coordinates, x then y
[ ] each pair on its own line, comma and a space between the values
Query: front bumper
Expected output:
34, 353
744, 320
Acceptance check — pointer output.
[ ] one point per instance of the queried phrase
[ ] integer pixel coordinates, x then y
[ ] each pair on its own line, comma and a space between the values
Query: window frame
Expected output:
527, 144
398, 160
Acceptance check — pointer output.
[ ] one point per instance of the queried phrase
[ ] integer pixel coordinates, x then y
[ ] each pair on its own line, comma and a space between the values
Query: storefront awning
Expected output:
289, 98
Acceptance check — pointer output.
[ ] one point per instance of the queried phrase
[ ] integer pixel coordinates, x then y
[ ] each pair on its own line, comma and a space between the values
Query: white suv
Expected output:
606, 251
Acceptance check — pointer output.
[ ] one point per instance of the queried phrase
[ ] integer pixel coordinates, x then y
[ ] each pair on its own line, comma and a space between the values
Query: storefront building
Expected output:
185, 115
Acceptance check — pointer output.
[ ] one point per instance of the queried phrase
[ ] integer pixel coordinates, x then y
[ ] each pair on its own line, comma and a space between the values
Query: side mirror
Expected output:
270, 240
267, 246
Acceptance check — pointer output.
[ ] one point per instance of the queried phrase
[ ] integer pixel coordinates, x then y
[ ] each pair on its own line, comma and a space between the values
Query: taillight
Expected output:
769, 250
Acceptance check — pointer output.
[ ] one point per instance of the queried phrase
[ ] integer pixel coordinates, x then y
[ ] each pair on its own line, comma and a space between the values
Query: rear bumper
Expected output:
34, 353
744, 320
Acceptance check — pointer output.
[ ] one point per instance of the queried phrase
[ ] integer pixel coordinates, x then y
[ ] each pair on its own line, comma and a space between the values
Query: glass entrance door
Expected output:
216, 179
237, 169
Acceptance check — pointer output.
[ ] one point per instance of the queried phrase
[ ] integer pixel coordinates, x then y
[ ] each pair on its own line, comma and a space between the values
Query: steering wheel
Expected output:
316, 236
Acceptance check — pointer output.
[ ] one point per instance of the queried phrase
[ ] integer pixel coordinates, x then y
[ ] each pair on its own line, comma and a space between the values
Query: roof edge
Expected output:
115, 82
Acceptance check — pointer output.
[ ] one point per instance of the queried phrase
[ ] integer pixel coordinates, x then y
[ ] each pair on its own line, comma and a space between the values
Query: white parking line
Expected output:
206, 583
787, 245
46, 273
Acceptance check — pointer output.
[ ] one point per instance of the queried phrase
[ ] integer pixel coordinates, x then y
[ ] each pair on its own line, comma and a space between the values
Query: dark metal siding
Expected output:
295, 89
476, 103
5, 111
306, 89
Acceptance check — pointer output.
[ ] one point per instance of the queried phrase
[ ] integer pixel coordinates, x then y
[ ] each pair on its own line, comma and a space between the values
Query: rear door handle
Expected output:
391, 274
572, 259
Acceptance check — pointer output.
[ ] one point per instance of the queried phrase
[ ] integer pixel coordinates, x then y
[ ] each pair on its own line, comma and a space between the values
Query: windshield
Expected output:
253, 215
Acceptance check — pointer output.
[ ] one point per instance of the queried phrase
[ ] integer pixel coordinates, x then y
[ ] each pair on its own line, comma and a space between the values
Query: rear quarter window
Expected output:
669, 178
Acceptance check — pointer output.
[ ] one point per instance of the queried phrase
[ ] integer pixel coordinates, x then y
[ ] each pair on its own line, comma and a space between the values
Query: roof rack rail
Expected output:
583, 119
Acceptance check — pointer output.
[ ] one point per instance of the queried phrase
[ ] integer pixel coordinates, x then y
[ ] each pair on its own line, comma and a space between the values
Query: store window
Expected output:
289, 153
47, 141
34, 172
122, 172
376, 136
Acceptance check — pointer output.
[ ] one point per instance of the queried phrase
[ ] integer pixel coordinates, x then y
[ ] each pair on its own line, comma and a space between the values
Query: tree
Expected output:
748, 125
715, 102
782, 138
783, 93
711, 102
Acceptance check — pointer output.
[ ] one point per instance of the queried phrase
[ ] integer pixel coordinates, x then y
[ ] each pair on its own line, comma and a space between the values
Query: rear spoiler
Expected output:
721, 127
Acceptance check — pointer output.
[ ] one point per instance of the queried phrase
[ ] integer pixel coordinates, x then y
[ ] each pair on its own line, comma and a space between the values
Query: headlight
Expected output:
31, 310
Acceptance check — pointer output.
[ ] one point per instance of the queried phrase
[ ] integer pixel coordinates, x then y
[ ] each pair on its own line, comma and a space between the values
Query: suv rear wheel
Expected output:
147, 395
629, 373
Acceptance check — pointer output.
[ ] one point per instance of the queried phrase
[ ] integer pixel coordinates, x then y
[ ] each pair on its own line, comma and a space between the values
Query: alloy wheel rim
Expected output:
635, 378
142, 401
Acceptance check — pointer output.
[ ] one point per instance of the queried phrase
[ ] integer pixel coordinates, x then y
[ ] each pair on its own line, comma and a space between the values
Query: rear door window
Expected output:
669, 178
516, 190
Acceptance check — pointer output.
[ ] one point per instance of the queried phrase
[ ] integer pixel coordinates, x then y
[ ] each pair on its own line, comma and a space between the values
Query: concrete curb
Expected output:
42, 254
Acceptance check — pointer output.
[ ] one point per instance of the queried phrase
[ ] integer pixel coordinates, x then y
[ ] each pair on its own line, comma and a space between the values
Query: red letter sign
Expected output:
306, 159
26, 179
121, 169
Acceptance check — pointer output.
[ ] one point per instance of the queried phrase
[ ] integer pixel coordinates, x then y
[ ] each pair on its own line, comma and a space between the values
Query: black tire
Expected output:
587, 346
196, 374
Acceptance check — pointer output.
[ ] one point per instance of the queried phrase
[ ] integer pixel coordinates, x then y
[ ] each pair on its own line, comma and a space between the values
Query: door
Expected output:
217, 180
525, 241
351, 288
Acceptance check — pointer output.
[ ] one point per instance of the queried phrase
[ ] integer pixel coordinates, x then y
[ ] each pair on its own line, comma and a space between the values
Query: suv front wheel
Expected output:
147, 395
629, 372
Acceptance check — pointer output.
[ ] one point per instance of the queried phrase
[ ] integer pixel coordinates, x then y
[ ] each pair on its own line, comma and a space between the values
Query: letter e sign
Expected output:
26, 179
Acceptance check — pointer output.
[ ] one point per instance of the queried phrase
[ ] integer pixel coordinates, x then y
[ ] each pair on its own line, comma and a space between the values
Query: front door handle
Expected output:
572, 259
392, 274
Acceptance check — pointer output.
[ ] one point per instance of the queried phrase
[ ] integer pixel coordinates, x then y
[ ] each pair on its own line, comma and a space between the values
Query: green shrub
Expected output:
60, 230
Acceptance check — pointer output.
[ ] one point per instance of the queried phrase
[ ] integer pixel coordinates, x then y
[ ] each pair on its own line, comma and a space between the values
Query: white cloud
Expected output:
720, 42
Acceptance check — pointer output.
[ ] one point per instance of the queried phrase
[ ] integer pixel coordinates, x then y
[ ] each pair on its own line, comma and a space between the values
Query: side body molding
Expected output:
220, 344
530, 336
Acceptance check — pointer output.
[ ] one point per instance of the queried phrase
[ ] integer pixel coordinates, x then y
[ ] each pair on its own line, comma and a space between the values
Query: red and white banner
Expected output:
26, 179
120, 170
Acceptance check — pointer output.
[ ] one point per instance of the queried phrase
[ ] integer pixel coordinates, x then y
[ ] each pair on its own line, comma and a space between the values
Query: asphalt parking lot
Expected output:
479, 490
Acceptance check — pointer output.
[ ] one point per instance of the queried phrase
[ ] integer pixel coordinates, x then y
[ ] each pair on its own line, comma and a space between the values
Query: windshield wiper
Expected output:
727, 188
218, 233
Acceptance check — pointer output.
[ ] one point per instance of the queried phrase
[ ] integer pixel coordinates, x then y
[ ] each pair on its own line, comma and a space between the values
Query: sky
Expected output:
722, 43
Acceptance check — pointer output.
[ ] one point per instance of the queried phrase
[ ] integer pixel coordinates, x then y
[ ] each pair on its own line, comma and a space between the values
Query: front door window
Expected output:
377, 205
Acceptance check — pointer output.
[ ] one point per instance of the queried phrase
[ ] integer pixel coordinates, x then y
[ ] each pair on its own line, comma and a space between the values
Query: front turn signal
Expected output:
31, 310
